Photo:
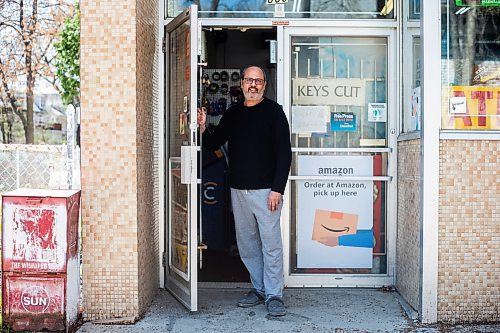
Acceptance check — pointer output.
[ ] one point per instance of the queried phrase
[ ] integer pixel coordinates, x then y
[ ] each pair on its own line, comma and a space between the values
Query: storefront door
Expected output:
181, 38
338, 88
339, 91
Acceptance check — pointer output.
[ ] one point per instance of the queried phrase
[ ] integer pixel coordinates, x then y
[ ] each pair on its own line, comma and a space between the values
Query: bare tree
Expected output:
28, 29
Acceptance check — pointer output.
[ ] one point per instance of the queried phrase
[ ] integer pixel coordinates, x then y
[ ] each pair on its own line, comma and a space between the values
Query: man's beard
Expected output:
253, 96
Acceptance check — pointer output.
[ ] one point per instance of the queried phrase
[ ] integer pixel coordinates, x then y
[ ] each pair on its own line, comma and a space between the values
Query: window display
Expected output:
470, 66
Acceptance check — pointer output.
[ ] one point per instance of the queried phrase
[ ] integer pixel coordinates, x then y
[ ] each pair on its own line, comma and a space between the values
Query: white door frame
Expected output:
360, 28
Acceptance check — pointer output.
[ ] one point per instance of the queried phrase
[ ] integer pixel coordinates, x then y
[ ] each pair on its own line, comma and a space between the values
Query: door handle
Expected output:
186, 165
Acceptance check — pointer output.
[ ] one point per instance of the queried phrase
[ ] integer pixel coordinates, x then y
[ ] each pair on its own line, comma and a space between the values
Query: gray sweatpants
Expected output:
258, 235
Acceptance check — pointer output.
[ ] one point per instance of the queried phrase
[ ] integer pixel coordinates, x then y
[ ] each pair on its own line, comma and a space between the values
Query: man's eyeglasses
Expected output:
249, 80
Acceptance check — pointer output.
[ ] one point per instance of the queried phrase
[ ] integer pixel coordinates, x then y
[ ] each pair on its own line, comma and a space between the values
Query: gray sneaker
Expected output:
251, 299
275, 307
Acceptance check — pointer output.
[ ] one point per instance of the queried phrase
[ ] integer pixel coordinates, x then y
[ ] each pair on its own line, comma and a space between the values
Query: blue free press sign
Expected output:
343, 122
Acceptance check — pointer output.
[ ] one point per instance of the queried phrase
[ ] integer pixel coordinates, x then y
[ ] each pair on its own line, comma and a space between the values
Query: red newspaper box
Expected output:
34, 302
40, 259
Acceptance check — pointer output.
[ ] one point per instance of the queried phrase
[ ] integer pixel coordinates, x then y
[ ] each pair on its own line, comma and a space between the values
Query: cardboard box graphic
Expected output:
329, 225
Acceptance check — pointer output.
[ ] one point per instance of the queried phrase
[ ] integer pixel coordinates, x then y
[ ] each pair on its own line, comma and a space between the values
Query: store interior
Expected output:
226, 51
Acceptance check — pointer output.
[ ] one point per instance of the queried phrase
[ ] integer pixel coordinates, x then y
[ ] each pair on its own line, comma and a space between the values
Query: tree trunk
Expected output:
469, 46
29, 130
6, 127
4, 132
213, 7
453, 33
306, 8
12, 100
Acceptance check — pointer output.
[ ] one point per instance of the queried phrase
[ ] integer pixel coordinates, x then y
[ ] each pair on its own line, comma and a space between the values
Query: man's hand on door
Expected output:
202, 119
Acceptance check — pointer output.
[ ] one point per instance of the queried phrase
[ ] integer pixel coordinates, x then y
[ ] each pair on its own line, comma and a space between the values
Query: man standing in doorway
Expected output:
258, 138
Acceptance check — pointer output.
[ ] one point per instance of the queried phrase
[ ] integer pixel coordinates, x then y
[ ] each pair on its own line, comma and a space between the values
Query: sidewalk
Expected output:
309, 310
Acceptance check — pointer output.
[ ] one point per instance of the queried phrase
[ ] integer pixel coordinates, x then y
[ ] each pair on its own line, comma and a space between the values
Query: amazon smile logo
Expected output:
345, 229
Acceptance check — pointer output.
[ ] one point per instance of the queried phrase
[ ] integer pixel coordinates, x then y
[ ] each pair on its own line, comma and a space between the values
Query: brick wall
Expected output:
120, 266
469, 231
147, 148
408, 235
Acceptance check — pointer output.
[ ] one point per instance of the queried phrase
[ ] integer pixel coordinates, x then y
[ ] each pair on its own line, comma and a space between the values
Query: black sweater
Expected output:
259, 145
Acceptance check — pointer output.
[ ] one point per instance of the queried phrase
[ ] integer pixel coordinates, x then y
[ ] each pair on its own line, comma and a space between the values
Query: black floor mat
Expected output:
219, 266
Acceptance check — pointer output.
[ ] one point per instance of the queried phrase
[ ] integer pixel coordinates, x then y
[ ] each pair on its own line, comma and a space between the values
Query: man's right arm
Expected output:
212, 140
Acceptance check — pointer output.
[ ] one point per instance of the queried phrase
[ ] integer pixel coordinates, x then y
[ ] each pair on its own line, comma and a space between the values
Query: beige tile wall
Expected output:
469, 231
147, 148
408, 234
119, 255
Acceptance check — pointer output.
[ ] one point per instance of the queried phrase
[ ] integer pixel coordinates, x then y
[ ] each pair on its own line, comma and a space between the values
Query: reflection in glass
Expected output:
470, 67
178, 122
359, 9
179, 88
345, 80
470, 44
412, 93
179, 219
414, 10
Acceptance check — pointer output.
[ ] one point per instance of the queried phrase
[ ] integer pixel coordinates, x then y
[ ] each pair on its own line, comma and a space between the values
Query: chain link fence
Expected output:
35, 166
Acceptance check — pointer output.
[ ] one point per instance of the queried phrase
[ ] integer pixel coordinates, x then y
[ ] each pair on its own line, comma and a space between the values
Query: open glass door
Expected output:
182, 201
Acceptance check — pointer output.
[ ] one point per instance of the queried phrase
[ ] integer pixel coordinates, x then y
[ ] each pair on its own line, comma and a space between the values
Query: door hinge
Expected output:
164, 259
163, 45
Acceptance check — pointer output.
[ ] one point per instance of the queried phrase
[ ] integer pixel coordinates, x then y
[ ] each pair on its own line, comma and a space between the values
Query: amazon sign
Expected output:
329, 91
335, 216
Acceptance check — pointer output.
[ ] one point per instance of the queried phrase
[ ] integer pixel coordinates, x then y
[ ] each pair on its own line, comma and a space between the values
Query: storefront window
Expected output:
353, 9
470, 65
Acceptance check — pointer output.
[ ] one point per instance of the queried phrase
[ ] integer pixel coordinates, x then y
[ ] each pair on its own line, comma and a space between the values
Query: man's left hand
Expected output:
273, 201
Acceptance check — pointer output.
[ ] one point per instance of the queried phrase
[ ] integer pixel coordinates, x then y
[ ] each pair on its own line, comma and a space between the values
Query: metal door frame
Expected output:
284, 66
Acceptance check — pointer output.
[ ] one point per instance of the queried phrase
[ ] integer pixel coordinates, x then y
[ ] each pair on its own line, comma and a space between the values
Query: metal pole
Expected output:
17, 169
